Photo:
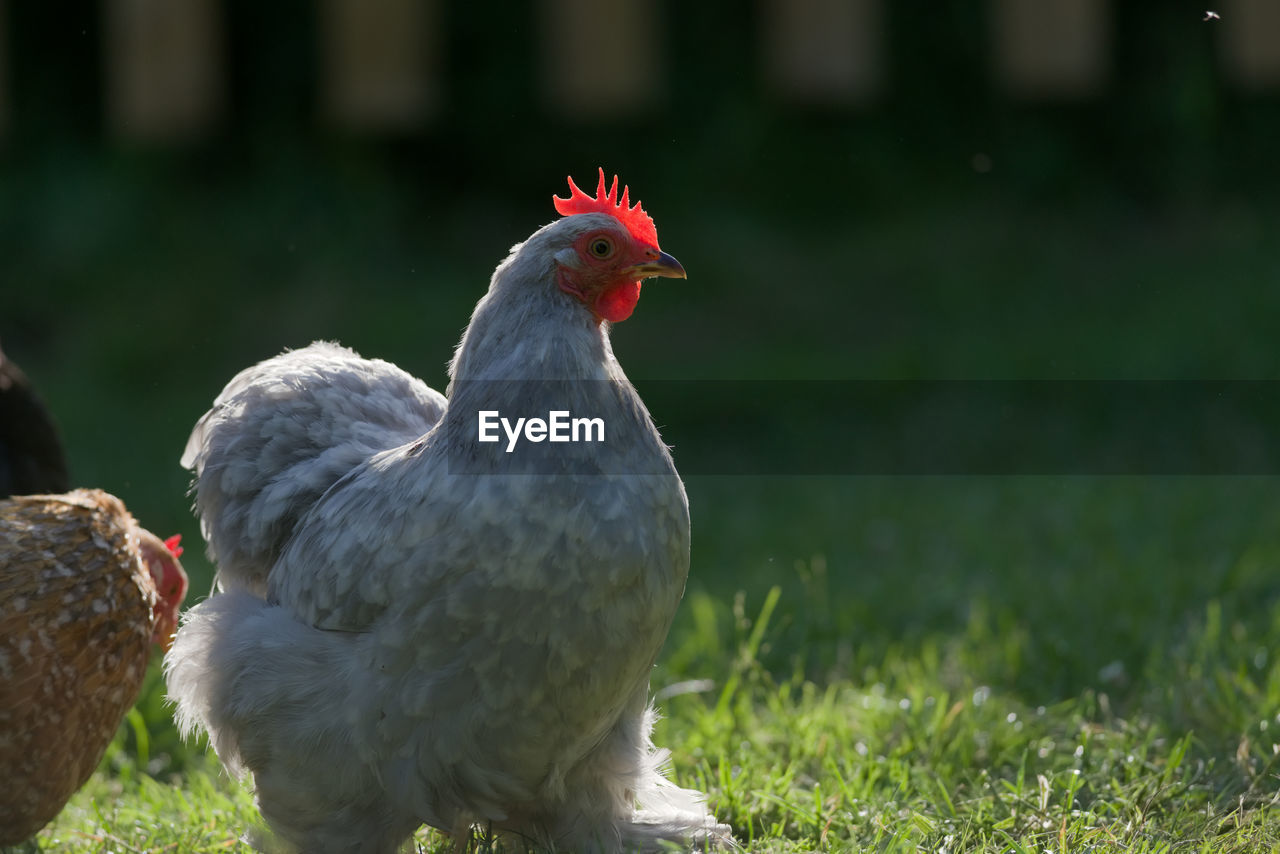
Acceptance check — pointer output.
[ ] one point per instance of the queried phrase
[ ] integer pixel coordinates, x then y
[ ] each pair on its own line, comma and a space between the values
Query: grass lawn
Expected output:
943, 664
1019, 664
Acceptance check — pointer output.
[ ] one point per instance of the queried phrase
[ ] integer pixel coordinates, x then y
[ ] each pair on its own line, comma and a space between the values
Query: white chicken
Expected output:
413, 626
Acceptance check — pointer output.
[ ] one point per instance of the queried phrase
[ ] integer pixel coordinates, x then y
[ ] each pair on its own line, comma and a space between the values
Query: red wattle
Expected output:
617, 302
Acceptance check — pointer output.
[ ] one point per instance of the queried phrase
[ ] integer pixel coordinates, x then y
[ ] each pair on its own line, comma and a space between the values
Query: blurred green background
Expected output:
940, 222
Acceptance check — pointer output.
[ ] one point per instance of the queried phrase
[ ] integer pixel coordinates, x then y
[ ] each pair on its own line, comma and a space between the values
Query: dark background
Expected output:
945, 226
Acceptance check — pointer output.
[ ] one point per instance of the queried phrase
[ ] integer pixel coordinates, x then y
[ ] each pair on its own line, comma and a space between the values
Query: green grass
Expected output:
1021, 664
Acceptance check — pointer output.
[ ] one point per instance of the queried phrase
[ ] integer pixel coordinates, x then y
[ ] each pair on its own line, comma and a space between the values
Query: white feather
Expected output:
396, 644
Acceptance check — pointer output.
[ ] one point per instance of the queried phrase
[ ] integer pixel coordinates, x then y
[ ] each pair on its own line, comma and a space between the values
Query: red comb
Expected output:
172, 544
639, 223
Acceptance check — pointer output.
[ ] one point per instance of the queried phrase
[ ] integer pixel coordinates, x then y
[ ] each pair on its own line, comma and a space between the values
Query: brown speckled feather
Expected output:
76, 619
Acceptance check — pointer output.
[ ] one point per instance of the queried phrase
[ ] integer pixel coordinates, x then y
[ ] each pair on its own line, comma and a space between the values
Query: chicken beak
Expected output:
657, 263
164, 636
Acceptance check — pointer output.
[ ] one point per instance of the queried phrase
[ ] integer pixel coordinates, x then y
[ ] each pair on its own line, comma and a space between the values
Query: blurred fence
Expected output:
381, 69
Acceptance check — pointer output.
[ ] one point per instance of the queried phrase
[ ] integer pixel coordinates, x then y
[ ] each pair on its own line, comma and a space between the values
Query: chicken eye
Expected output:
601, 247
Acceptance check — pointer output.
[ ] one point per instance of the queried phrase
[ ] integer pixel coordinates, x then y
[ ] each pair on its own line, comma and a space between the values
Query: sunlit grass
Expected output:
949, 664
1049, 710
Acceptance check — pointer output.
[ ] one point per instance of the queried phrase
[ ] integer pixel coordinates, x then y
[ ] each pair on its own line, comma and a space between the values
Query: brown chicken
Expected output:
84, 591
